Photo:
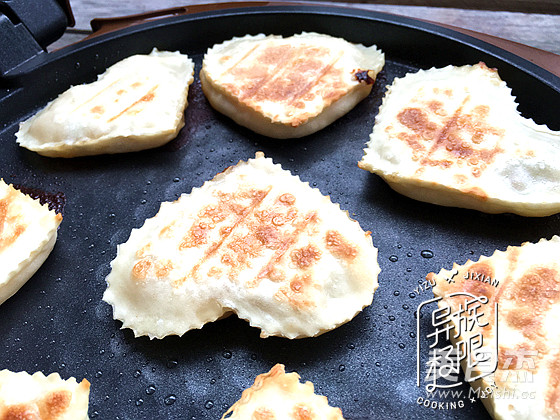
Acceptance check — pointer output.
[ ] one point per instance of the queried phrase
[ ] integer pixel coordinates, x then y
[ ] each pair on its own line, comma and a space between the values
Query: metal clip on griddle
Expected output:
27, 27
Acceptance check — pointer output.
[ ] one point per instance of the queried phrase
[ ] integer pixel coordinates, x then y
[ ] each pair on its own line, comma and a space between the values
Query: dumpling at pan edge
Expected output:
453, 137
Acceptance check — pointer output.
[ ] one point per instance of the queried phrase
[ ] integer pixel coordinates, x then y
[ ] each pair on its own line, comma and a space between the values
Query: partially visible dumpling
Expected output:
254, 240
288, 87
280, 395
453, 136
39, 397
506, 308
137, 104
27, 237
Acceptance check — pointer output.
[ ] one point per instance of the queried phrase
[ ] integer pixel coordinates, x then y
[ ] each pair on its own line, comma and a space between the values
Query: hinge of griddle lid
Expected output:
27, 27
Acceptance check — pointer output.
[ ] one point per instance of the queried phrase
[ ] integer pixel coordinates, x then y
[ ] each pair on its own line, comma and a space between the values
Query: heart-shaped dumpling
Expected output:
288, 87
27, 237
137, 104
280, 395
39, 397
255, 240
507, 308
454, 137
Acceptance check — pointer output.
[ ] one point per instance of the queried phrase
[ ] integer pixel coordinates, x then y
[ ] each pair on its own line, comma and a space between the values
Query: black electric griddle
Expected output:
58, 323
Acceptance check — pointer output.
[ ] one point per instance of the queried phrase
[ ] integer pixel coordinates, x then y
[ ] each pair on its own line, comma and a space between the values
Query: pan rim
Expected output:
507, 57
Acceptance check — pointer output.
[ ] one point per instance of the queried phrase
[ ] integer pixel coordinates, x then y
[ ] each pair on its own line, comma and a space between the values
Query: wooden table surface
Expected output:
540, 30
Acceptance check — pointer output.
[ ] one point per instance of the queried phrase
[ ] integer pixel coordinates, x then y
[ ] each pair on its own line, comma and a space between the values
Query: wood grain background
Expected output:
527, 6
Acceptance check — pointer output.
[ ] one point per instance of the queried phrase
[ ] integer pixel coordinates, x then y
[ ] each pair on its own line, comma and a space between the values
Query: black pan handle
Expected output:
27, 27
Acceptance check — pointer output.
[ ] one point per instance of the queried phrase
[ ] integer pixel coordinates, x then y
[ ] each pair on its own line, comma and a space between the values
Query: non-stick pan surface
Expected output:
58, 322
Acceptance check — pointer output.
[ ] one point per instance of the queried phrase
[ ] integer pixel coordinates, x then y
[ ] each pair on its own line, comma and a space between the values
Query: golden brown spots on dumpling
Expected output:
147, 267
460, 179
7, 240
275, 54
480, 271
482, 111
484, 269
215, 272
148, 97
297, 291
10, 227
97, 109
539, 288
55, 404
533, 295
526, 323
296, 285
163, 268
263, 413
339, 246
287, 199
287, 74
21, 412
302, 412
196, 236
167, 231
142, 252
142, 268
276, 274
437, 138
306, 256
268, 236
245, 247
417, 120
437, 108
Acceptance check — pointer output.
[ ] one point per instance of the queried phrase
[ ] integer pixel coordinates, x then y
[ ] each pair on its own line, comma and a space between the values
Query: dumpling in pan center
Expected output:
454, 137
256, 241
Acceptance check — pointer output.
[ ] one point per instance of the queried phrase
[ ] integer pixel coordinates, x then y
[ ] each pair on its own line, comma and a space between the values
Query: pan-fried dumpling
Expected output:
27, 237
39, 397
288, 87
137, 104
453, 136
524, 282
280, 395
255, 240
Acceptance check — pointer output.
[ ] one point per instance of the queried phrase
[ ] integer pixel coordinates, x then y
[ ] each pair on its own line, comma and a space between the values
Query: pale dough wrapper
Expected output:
27, 237
280, 395
453, 137
39, 397
288, 87
137, 104
255, 240
524, 281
